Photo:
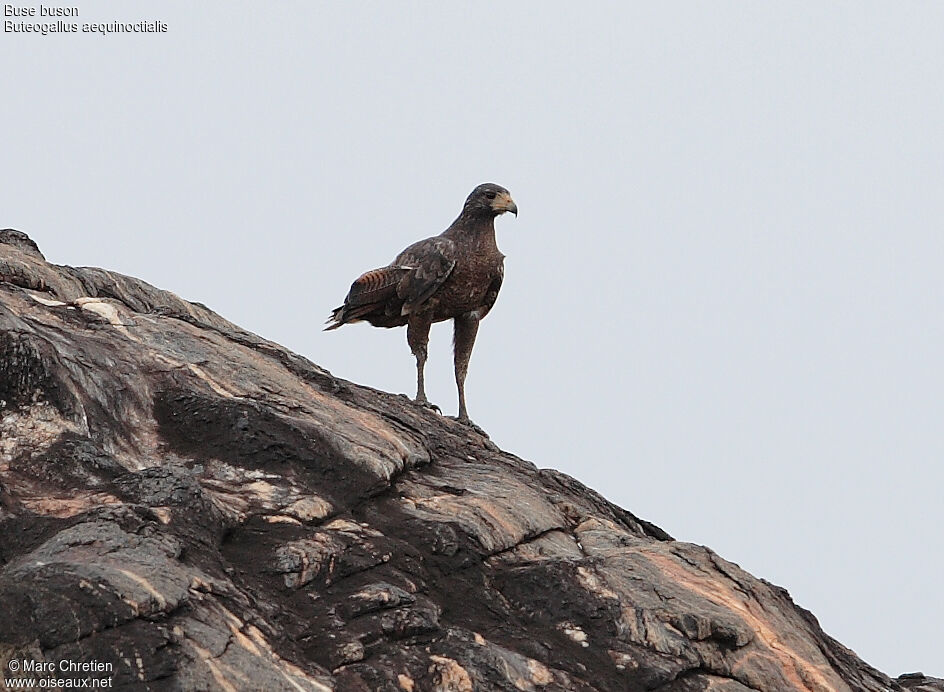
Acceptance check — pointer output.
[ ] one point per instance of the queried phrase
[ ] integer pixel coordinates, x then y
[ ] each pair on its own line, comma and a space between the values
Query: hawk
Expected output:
455, 275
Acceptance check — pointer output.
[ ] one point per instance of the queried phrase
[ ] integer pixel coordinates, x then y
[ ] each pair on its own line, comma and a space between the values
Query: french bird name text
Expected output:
44, 11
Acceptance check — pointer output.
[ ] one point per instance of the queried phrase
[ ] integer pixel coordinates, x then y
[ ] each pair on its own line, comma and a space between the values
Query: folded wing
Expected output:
432, 261
386, 296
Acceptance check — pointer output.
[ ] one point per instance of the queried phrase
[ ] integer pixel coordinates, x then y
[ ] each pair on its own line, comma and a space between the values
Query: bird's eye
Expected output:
490, 194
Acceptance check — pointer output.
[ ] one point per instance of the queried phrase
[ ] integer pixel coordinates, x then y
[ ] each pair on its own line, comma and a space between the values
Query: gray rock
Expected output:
204, 510
920, 682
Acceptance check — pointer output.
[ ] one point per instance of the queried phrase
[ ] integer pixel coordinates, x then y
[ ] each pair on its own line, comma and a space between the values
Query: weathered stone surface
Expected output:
206, 510
920, 682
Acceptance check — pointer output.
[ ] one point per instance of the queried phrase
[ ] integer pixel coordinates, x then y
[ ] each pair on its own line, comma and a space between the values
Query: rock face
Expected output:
204, 510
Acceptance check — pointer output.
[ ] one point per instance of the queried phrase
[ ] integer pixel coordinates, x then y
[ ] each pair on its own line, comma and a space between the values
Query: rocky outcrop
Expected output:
920, 682
204, 510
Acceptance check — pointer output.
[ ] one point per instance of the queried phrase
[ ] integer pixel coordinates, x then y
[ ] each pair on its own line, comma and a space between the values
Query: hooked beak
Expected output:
505, 203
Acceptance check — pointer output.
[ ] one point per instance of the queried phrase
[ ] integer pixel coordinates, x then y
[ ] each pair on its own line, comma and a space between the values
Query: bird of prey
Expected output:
453, 276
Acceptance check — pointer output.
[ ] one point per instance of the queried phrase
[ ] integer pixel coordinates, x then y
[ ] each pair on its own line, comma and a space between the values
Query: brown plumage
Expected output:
455, 275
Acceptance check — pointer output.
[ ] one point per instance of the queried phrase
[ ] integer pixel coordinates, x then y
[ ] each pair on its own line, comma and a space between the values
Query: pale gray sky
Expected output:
723, 298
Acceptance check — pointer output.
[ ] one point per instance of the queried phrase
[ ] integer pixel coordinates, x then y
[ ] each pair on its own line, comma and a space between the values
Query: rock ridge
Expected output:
206, 510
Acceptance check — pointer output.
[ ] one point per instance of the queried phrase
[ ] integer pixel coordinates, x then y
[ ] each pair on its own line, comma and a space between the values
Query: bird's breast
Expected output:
466, 288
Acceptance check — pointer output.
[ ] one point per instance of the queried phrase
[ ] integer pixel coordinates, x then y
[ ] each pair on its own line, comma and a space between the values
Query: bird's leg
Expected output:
466, 327
417, 336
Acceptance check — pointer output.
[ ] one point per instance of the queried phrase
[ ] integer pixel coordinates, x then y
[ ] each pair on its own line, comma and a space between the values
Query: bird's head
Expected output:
491, 200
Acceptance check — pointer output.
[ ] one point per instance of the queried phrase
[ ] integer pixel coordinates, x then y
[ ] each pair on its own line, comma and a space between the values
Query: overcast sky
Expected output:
723, 297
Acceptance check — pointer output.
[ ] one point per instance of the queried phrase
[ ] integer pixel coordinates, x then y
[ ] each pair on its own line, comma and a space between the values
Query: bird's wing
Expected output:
369, 292
431, 261
375, 286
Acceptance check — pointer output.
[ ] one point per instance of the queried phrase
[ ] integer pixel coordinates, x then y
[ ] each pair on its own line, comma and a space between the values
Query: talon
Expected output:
466, 421
428, 405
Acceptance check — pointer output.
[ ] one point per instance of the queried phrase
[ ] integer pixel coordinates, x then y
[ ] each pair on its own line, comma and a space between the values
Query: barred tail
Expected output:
335, 320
